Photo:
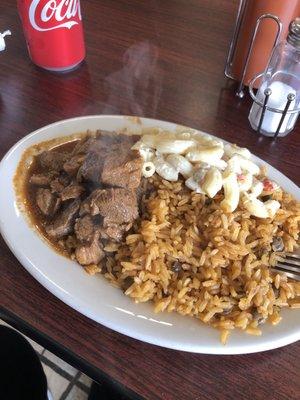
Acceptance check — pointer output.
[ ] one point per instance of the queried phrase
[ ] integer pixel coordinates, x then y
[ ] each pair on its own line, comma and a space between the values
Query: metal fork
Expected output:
290, 265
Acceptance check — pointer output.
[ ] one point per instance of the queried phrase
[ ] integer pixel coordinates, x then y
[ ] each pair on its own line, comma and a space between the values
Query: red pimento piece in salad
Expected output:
268, 185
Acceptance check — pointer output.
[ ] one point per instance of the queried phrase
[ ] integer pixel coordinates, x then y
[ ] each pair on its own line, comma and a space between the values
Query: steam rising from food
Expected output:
139, 80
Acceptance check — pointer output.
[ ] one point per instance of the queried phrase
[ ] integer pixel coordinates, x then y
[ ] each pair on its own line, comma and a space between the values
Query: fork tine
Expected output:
289, 267
289, 264
290, 261
292, 255
295, 276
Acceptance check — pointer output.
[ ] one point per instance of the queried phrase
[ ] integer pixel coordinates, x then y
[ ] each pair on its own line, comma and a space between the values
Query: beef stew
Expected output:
84, 193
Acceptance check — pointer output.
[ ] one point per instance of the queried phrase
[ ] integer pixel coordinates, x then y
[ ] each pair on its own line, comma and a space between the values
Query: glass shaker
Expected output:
280, 88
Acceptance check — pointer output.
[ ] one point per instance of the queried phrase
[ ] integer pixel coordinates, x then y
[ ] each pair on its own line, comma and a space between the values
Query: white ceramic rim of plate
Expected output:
256, 344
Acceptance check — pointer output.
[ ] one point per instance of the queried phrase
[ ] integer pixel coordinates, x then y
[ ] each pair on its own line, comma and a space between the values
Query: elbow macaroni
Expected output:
165, 170
231, 193
212, 182
205, 154
148, 169
207, 165
181, 164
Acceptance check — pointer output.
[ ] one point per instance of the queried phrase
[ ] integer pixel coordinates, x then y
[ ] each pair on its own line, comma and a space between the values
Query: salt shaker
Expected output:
279, 91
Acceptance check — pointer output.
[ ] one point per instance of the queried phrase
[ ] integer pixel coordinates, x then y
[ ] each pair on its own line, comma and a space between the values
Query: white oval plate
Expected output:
94, 296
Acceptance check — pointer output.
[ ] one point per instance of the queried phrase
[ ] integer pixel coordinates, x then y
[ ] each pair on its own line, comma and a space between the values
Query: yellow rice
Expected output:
225, 278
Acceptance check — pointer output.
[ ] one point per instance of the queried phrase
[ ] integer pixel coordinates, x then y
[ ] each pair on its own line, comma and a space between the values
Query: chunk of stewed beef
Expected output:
72, 165
63, 222
52, 160
93, 253
122, 168
109, 160
47, 202
102, 142
84, 229
83, 146
114, 232
60, 183
72, 191
56, 186
115, 205
42, 180
91, 167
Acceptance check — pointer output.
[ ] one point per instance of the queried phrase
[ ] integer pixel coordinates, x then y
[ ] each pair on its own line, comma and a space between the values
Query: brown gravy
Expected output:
37, 218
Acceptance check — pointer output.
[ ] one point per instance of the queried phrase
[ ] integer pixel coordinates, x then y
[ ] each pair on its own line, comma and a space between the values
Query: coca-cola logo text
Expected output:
54, 14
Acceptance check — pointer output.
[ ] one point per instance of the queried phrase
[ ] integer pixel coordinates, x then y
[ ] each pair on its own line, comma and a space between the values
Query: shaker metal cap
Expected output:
294, 33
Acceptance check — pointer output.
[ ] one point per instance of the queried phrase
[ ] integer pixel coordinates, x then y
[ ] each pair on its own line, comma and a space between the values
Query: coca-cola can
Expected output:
54, 33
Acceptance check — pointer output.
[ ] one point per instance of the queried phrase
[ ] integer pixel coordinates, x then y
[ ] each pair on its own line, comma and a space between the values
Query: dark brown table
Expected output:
161, 59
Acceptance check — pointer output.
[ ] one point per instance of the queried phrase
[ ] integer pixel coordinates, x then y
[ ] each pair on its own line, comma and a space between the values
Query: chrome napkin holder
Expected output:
240, 91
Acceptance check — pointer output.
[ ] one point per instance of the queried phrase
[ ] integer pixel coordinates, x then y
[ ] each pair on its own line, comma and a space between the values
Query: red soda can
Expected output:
54, 33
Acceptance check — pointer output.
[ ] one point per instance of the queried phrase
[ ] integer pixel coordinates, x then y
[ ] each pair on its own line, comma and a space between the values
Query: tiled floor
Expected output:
64, 381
